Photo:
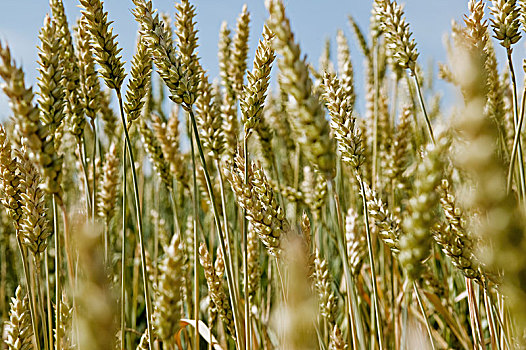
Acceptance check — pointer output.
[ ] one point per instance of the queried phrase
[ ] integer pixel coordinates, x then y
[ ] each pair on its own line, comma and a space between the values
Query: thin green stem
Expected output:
48, 301
32, 311
522, 175
516, 141
58, 264
36, 260
147, 299
229, 275
245, 251
228, 238
345, 259
123, 251
423, 106
195, 198
371, 259
94, 172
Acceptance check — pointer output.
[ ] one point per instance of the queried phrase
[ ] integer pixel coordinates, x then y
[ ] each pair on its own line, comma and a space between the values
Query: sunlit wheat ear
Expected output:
29, 128
415, 244
343, 123
337, 341
323, 284
167, 134
160, 42
355, 241
216, 290
155, 153
208, 117
34, 225
476, 25
9, 180
239, 51
259, 200
314, 186
505, 22
89, 80
70, 66
140, 77
107, 53
389, 228
453, 238
187, 45
345, 68
108, 187
254, 92
18, 332
398, 157
309, 125
397, 34
51, 79
169, 291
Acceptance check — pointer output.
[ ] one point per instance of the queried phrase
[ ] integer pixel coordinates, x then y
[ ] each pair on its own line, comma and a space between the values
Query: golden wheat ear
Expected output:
18, 332
107, 53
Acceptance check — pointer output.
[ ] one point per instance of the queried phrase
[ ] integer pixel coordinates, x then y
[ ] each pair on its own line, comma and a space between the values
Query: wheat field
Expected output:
162, 208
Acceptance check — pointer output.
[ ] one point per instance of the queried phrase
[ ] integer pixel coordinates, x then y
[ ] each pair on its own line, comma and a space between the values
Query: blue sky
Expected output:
312, 22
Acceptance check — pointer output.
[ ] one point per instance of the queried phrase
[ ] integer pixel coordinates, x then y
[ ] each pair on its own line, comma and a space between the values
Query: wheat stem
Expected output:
123, 251
371, 259
40, 296
245, 250
228, 238
423, 106
94, 171
229, 275
195, 248
345, 260
147, 299
58, 264
522, 175
34, 322
516, 140
48, 301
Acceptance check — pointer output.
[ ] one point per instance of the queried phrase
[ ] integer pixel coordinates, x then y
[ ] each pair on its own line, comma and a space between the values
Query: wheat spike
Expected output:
107, 53
18, 331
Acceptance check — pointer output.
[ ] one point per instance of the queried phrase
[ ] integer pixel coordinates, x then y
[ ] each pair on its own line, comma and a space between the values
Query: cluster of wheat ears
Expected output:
249, 219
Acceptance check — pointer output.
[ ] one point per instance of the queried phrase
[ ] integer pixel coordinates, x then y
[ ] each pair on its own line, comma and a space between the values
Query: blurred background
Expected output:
313, 21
